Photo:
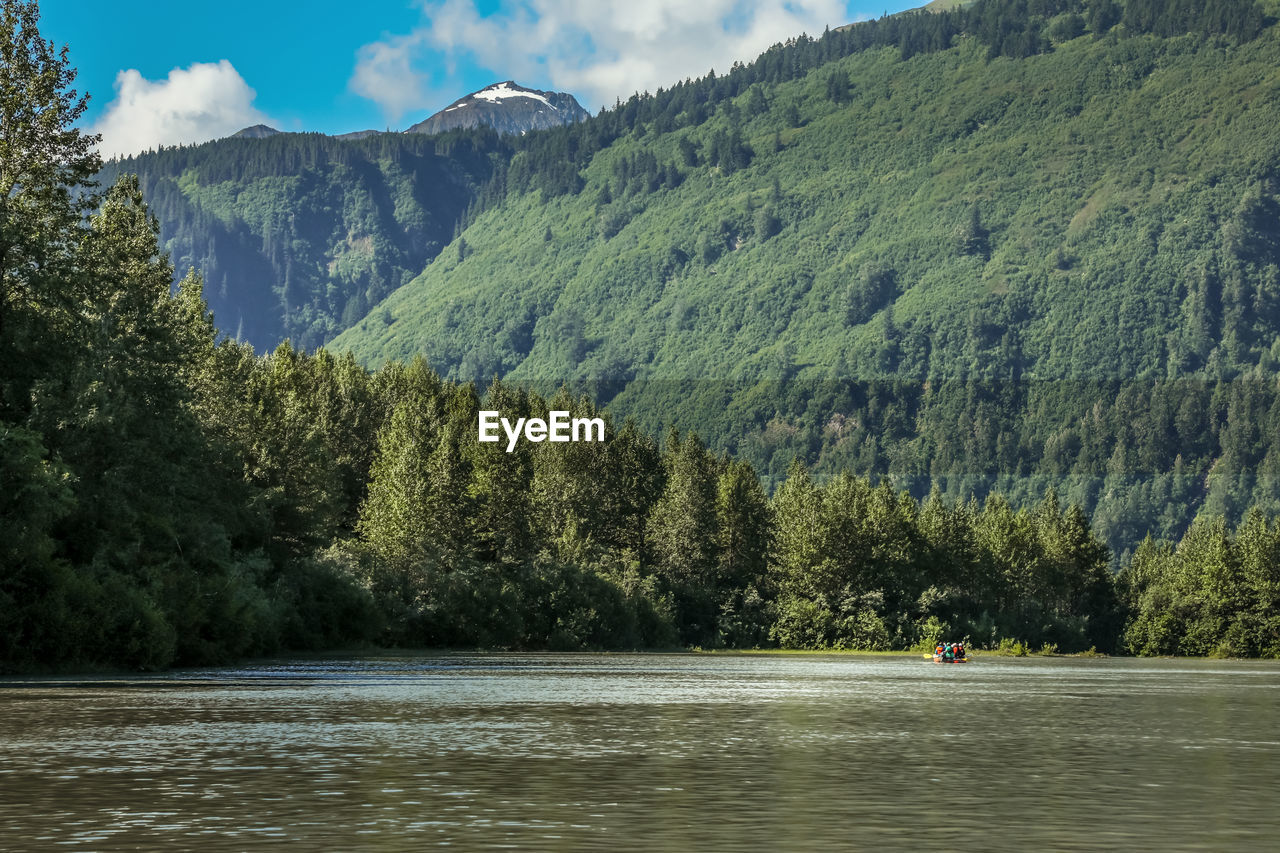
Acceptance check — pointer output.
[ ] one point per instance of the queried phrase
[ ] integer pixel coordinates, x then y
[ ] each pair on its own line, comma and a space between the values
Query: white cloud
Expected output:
598, 49
384, 74
196, 104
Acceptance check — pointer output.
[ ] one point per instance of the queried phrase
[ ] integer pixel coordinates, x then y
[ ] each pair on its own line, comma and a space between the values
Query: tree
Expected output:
838, 87
970, 236
639, 479
682, 536
119, 413
416, 502
46, 171
799, 567
688, 152
571, 485
1067, 27
1102, 15
874, 286
766, 224
500, 485
1256, 629
34, 496
743, 531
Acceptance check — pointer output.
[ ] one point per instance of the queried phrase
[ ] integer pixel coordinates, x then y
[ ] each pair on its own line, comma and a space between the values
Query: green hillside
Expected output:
1061, 216
996, 246
934, 263
297, 235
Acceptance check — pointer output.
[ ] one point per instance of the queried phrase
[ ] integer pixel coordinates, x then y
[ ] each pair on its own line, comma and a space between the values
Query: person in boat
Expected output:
938, 652
950, 654
959, 651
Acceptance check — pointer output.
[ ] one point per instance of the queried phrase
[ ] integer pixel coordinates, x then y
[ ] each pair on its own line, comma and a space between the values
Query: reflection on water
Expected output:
648, 751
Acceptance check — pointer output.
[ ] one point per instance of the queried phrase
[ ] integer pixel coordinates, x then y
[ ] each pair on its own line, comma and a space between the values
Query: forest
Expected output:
986, 273
170, 496
997, 248
301, 235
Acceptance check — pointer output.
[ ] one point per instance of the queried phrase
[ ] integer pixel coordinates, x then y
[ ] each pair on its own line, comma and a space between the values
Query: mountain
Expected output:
257, 131
1002, 246
1020, 216
976, 249
357, 134
506, 107
298, 234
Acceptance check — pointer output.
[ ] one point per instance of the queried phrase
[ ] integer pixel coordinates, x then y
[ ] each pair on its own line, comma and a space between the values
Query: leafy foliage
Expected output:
1014, 253
1216, 593
167, 495
299, 235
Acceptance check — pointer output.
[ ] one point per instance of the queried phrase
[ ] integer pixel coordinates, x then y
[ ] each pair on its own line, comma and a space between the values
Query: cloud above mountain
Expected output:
385, 75
597, 49
205, 101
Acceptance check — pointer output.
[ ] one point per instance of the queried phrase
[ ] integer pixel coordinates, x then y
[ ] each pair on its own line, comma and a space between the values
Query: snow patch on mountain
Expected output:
499, 91
507, 107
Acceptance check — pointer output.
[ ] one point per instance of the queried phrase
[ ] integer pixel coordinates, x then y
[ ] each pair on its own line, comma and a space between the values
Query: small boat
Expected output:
941, 659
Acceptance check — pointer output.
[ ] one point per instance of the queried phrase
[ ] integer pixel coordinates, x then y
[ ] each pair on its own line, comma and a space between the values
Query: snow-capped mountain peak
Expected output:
500, 91
507, 107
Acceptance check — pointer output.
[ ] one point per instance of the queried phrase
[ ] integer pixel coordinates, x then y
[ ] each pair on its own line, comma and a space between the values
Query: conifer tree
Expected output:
638, 483
46, 167
801, 569
797, 508
682, 536
571, 485
121, 416
500, 485
1256, 626
393, 520
743, 538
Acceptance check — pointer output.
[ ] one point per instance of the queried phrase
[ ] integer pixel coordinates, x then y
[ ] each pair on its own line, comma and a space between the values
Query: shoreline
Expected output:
91, 673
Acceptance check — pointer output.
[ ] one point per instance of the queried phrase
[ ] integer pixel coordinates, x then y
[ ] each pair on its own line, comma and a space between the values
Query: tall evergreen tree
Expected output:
744, 539
682, 536
500, 485
46, 167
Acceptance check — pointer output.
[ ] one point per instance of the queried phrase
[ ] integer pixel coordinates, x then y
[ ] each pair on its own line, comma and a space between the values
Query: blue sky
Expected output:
170, 72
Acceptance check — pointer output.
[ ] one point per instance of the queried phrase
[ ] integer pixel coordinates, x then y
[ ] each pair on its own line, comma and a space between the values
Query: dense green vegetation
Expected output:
297, 235
167, 495
1217, 593
899, 250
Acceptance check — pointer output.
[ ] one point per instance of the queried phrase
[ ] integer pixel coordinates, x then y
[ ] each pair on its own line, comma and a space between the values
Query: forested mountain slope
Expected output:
999, 246
1099, 210
298, 234
1046, 252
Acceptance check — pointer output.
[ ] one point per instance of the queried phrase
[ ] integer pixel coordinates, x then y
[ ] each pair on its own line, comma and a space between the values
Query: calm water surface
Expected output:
679, 752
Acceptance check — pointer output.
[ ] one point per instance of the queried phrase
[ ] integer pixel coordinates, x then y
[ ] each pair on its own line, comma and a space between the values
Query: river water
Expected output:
674, 752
